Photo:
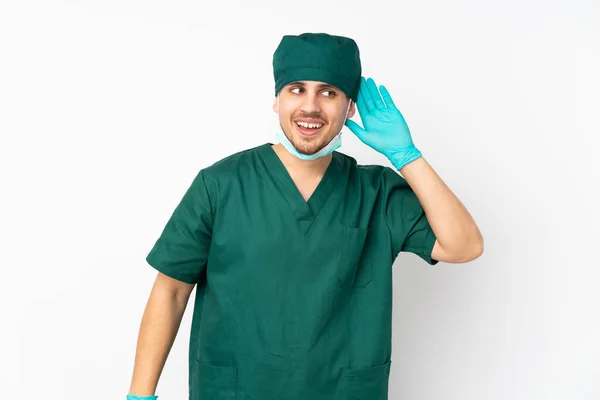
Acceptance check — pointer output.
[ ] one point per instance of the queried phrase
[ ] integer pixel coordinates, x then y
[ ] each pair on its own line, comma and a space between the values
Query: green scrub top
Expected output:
293, 297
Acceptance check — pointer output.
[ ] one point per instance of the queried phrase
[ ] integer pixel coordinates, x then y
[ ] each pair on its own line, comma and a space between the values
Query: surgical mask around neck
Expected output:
333, 145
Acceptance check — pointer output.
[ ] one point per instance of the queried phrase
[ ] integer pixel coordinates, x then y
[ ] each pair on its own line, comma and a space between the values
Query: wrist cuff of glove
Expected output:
134, 397
401, 158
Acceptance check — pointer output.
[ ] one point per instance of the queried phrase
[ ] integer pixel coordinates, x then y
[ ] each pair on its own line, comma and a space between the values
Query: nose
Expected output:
310, 103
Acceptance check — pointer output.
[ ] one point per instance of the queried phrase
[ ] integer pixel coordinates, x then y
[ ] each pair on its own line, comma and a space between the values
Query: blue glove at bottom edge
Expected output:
401, 158
134, 397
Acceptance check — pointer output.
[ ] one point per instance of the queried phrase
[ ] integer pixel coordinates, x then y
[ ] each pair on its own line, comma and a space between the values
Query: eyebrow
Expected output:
320, 85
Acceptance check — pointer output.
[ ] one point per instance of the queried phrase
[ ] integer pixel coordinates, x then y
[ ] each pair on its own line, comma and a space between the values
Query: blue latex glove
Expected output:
385, 129
134, 397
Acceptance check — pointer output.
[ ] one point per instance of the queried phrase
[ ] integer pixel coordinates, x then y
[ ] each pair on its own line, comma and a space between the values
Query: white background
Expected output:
109, 108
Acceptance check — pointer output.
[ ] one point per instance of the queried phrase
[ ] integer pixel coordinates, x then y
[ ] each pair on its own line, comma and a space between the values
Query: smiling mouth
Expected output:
308, 129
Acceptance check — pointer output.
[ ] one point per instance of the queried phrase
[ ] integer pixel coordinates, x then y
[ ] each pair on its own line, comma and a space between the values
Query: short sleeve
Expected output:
181, 251
405, 217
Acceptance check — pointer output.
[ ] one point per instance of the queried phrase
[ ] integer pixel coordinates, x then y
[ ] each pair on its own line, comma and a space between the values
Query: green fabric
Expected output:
294, 297
318, 57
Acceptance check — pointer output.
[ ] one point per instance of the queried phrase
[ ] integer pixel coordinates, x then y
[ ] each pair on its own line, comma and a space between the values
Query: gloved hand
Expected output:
385, 129
134, 397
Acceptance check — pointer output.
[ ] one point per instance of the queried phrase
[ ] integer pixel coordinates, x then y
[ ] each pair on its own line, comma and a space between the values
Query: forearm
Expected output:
453, 225
159, 327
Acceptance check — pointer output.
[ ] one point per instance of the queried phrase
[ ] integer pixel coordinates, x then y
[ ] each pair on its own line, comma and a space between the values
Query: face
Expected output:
312, 114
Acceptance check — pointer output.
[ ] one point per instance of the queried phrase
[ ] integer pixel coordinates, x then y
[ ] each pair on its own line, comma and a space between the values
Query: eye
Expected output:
299, 89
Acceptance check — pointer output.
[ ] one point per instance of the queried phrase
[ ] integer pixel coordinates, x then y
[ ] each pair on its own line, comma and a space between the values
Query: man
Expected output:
290, 246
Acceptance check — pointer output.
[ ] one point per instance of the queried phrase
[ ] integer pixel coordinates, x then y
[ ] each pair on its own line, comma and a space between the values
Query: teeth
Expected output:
305, 125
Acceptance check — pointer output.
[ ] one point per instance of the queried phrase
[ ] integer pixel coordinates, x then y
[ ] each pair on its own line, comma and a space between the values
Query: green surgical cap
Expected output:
318, 57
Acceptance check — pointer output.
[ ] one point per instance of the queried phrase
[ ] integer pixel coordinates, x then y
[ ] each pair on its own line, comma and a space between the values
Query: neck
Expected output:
306, 168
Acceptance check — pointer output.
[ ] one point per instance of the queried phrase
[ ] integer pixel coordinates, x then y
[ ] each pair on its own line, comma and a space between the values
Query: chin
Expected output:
307, 149
308, 145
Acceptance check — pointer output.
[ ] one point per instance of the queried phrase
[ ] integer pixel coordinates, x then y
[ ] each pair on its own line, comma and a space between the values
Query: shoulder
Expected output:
231, 166
377, 177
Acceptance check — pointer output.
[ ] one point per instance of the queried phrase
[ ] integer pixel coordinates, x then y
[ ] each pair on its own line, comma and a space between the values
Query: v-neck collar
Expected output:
304, 211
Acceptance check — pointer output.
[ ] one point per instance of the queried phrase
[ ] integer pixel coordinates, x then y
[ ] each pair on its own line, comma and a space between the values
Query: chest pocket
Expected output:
211, 382
354, 268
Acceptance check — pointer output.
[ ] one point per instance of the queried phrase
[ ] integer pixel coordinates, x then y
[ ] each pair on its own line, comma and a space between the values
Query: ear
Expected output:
276, 105
352, 109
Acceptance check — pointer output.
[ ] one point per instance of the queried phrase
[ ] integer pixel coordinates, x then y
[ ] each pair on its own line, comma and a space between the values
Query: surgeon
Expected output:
290, 246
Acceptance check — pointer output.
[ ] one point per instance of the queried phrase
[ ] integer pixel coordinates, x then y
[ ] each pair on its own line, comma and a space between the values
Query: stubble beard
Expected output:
308, 146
